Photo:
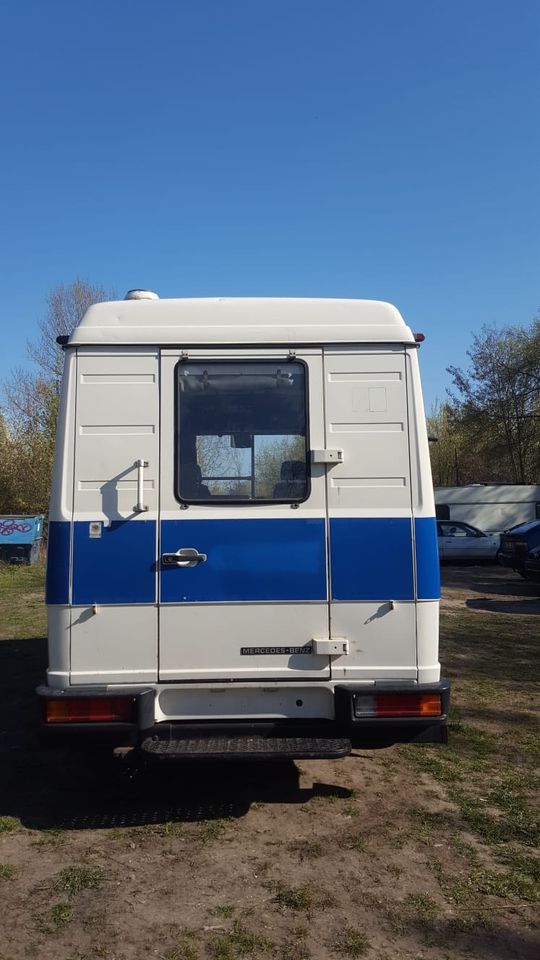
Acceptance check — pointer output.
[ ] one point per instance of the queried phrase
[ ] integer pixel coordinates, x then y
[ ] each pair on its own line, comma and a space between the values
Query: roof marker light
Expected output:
419, 337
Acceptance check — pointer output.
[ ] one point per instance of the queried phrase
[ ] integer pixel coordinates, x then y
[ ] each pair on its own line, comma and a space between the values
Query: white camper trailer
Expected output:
489, 506
242, 555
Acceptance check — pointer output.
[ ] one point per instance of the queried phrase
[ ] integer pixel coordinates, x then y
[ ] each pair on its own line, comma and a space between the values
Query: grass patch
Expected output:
518, 824
422, 906
513, 885
73, 880
352, 943
307, 849
185, 949
520, 862
295, 948
55, 919
212, 830
7, 872
488, 768
224, 910
358, 844
302, 898
294, 898
21, 601
9, 824
53, 837
465, 849
238, 942
171, 828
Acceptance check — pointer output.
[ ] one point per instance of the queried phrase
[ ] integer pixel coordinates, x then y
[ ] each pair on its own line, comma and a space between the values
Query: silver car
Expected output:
461, 541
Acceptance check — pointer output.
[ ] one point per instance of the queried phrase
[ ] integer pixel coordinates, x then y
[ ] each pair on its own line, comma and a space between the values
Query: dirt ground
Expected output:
410, 852
490, 588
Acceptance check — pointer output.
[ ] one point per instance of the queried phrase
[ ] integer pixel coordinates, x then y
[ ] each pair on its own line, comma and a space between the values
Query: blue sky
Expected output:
355, 148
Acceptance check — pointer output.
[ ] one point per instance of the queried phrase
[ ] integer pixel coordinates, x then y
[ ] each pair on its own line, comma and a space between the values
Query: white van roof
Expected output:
241, 320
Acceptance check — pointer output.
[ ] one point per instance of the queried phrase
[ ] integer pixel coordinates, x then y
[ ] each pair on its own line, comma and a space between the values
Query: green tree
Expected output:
497, 405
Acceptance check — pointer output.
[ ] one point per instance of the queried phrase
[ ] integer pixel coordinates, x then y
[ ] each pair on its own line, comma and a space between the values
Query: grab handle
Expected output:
140, 507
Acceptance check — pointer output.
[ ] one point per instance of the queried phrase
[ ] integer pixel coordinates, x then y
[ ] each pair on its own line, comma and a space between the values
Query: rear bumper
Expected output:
509, 558
365, 732
531, 571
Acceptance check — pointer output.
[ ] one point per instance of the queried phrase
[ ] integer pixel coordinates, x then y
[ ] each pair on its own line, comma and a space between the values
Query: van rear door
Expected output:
370, 513
243, 523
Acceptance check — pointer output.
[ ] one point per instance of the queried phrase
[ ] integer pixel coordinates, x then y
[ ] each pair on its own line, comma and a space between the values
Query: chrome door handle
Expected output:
185, 557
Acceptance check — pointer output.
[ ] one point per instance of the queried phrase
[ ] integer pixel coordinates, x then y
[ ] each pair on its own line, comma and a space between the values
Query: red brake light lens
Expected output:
90, 710
409, 705
398, 705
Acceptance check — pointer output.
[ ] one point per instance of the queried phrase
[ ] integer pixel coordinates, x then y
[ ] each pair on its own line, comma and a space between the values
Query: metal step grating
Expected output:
247, 748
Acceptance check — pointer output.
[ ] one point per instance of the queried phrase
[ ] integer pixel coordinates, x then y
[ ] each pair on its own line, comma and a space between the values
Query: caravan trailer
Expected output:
242, 554
492, 507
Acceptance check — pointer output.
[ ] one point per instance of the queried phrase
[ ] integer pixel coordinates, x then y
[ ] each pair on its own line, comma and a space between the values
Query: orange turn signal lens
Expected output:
398, 705
90, 710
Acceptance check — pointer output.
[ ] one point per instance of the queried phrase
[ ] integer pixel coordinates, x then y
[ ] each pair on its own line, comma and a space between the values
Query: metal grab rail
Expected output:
140, 506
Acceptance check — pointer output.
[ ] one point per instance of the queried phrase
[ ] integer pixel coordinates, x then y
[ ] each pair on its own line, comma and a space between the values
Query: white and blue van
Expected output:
242, 549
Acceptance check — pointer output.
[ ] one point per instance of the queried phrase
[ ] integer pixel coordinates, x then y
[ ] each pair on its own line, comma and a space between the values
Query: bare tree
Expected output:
66, 306
30, 402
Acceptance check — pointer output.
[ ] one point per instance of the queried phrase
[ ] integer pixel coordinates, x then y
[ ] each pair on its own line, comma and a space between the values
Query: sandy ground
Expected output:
360, 857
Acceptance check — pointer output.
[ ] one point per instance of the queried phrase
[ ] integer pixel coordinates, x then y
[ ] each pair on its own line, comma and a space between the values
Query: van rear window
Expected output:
242, 432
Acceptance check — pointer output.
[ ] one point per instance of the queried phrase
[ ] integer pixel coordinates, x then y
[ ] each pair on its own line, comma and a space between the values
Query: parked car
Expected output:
519, 548
532, 566
461, 541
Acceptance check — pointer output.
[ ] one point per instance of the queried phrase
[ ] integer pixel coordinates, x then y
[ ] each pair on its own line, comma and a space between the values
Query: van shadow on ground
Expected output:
527, 607
491, 579
58, 788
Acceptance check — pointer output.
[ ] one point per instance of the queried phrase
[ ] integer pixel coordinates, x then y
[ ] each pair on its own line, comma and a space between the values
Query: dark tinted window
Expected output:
242, 431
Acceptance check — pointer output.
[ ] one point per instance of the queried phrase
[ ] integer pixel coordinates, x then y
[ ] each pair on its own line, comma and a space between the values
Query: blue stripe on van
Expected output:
57, 580
428, 577
371, 558
117, 567
247, 560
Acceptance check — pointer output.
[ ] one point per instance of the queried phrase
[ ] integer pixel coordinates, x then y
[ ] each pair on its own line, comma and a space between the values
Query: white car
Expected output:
461, 541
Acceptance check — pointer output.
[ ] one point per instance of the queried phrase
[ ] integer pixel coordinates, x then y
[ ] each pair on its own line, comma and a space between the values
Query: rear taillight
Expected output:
510, 545
90, 710
398, 705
